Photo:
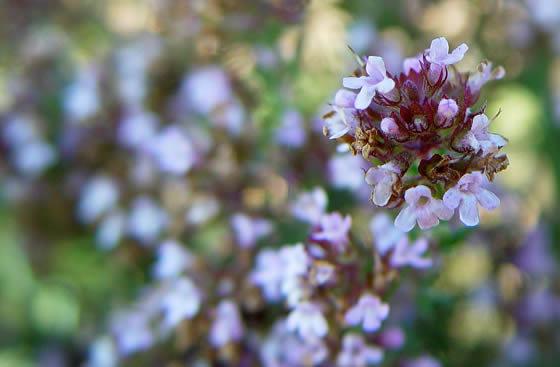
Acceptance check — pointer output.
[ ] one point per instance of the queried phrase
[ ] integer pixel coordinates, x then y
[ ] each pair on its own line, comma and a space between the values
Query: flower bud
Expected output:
446, 112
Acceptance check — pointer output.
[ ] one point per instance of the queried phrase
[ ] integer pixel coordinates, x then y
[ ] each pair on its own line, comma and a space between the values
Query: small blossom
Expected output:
375, 81
182, 301
81, 98
295, 259
422, 208
356, 353
392, 338
34, 157
172, 260
369, 311
132, 332
227, 326
439, 52
202, 209
98, 196
334, 229
206, 88
344, 99
308, 321
406, 254
466, 194
385, 234
480, 139
345, 171
382, 178
172, 150
248, 230
137, 128
310, 206
483, 75
446, 112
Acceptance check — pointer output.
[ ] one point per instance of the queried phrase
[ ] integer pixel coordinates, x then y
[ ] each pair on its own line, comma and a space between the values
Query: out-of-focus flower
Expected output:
202, 209
369, 312
385, 234
291, 132
269, 274
466, 194
376, 81
345, 171
308, 321
102, 353
249, 230
132, 332
172, 260
422, 207
98, 196
410, 254
146, 220
392, 338
32, 158
310, 206
137, 128
181, 301
439, 52
356, 353
110, 230
424, 361
334, 228
206, 88
172, 150
227, 327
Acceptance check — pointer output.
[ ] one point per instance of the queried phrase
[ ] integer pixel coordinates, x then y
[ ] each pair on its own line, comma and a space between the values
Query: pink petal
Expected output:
406, 220
439, 209
427, 219
452, 198
353, 82
364, 98
468, 211
412, 195
389, 126
439, 48
487, 199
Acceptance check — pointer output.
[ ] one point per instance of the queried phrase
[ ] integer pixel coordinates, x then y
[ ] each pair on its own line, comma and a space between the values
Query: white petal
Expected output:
382, 194
406, 219
375, 67
488, 200
364, 98
452, 198
385, 86
439, 209
468, 211
353, 82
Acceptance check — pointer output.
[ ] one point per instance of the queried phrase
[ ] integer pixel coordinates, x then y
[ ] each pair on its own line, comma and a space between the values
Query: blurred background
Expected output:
84, 84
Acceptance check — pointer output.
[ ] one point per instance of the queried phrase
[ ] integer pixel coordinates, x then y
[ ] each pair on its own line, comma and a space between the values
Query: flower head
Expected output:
376, 81
369, 311
422, 208
466, 194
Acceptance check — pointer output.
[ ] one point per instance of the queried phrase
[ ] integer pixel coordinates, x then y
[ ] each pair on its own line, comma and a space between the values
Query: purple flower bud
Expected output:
446, 112
389, 126
392, 338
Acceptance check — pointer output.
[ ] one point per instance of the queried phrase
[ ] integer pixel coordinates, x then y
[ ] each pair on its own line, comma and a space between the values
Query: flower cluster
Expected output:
428, 145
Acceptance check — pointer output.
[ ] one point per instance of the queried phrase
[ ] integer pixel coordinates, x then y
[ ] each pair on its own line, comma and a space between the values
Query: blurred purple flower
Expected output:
137, 128
385, 234
333, 228
146, 220
310, 206
369, 311
291, 132
206, 88
172, 259
181, 301
99, 195
356, 353
110, 230
249, 230
172, 150
308, 321
410, 254
424, 361
228, 326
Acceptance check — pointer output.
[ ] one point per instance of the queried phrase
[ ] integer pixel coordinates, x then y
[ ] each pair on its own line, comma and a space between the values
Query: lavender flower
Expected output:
422, 207
248, 230
227, 327
369, 311
146, 220
291, 132
333, 228
110, 230
308, 321
356, 353
310, 206
383, 178
480, 139
466, 194
410, 254
172, 260
376, 81
385, 234
439, 52
172, 150
206, 88
269, 274
137, 128
98, 196
182, 301
446, 112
